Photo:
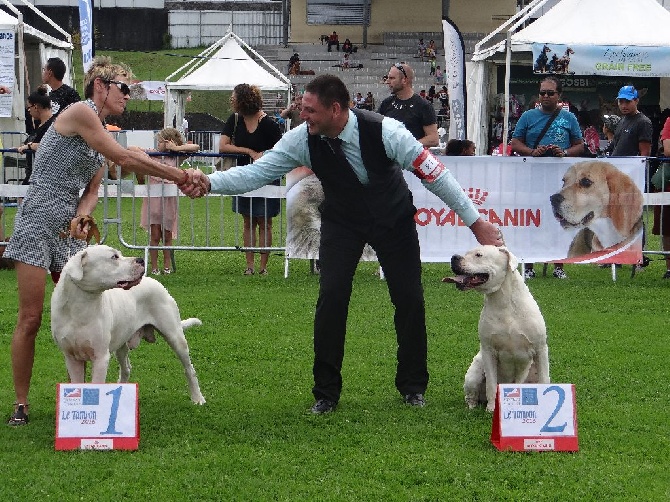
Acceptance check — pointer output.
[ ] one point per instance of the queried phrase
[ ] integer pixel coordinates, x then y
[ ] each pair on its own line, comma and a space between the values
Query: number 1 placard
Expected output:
97, 416
535, 417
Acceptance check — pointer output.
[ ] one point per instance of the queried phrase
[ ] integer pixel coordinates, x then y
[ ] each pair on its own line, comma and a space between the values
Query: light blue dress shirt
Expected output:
292, 151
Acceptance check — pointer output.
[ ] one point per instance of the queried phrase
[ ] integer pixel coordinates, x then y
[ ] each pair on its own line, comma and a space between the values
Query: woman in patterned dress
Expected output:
70, 158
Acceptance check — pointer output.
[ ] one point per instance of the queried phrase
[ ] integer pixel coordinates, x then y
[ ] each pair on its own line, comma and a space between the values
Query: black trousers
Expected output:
398, 253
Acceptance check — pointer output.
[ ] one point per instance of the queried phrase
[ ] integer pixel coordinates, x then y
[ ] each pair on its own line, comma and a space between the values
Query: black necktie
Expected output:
336, 147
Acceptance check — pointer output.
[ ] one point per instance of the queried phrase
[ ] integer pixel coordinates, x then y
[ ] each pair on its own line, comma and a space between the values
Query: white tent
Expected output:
571, 23
228, 62
32, 48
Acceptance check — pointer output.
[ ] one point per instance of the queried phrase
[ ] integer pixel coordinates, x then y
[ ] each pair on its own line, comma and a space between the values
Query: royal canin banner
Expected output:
568, 210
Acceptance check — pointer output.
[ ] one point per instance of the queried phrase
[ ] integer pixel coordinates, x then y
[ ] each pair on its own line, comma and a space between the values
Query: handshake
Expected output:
196, 184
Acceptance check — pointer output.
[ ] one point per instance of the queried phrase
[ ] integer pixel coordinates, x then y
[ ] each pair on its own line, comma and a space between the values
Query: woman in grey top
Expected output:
69, 160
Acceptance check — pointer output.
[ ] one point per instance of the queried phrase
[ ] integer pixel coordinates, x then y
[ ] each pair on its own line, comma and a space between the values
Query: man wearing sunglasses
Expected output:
405, 106
562, 138
61, 94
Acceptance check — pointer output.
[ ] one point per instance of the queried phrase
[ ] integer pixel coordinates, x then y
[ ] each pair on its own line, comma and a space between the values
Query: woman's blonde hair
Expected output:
170, 134
103, 68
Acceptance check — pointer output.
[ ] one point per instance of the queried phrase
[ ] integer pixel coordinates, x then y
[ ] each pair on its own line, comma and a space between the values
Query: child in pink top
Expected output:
159, 214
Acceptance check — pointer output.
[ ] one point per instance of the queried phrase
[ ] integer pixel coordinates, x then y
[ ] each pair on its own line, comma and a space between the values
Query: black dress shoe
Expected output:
323, 406
415, 399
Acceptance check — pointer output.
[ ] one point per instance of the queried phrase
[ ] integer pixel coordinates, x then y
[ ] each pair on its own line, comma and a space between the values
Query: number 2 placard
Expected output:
97, 416
535, 417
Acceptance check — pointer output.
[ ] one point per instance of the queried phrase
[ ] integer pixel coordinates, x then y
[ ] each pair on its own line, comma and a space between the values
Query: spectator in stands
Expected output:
345, 61
293, 111
367, 202
404, 105
422, 93
431, 94
421, 49
61, 94
359, 100
443, 96
67, 175
347, 46
159, 215
254, 133
460, 147
439, 76
369, 101
294, 64
431, 50
433, 66
334, 39
563, 138
39, 107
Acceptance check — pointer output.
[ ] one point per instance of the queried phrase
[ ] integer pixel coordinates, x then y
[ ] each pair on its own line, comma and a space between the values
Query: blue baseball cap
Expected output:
627, 92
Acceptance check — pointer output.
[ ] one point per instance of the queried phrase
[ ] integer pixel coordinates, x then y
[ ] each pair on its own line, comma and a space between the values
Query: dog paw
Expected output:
490, 408
198, 400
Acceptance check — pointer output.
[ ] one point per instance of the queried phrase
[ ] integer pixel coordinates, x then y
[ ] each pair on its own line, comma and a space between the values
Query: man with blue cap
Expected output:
634, 131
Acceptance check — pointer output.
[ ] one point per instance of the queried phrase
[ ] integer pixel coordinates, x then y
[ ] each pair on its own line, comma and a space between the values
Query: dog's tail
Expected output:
191, 321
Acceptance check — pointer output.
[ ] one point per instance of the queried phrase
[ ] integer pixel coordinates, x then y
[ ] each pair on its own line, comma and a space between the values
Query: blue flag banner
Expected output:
86, 30
611, 60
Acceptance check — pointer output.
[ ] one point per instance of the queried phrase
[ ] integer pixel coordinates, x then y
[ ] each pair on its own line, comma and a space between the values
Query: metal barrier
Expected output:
205, 224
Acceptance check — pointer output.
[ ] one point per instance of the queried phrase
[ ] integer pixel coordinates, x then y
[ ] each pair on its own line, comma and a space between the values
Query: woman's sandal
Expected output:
19, 417
167, 271
249, 271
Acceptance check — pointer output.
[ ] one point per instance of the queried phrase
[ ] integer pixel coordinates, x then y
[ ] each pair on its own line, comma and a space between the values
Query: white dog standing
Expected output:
512, 334
103, 304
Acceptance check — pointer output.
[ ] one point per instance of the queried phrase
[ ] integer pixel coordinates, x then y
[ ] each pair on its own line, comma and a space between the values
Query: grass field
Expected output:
256, 440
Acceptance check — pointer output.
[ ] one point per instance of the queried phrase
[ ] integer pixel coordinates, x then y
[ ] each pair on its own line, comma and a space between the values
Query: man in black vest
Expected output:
358, 156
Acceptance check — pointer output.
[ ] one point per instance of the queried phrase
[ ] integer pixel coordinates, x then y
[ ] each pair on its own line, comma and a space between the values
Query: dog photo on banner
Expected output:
562, 210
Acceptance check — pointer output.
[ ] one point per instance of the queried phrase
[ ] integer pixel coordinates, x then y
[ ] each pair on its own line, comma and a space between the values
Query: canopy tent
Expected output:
31, 50
228, 62
573, 24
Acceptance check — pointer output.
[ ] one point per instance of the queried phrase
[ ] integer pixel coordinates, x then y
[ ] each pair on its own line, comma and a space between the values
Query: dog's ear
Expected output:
512, 262
76, 266
626, 202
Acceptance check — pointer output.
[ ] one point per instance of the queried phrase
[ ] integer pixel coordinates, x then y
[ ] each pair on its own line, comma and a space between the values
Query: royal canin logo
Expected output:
477, 195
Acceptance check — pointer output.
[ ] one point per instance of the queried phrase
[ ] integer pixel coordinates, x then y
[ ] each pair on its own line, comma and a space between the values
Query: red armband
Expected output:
427, 166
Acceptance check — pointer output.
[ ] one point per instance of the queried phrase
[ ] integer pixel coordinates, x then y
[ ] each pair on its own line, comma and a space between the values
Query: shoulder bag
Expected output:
546, 127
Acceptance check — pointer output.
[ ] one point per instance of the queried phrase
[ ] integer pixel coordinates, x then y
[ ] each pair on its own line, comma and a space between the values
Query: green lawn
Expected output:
255, 440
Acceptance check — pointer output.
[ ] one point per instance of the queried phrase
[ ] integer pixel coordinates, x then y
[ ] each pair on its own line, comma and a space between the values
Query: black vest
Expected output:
379, 203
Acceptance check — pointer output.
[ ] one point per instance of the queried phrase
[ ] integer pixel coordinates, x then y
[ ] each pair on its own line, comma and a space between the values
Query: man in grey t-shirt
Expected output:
634, 132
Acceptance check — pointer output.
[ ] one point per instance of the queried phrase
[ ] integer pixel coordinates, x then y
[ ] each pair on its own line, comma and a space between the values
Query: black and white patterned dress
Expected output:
63, 167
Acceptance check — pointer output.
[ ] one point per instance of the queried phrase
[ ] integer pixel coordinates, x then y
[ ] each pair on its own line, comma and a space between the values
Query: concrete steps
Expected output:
376, 61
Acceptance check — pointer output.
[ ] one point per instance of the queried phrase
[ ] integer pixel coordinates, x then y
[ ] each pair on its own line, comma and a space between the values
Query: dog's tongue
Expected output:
129, 284
460, 281
465, 281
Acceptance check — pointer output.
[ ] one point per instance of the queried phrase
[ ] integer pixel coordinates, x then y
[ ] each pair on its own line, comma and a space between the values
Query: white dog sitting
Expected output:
512, 334
103, 304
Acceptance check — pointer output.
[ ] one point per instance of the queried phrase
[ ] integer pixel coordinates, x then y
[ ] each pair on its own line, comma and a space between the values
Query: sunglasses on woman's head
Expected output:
123, 87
